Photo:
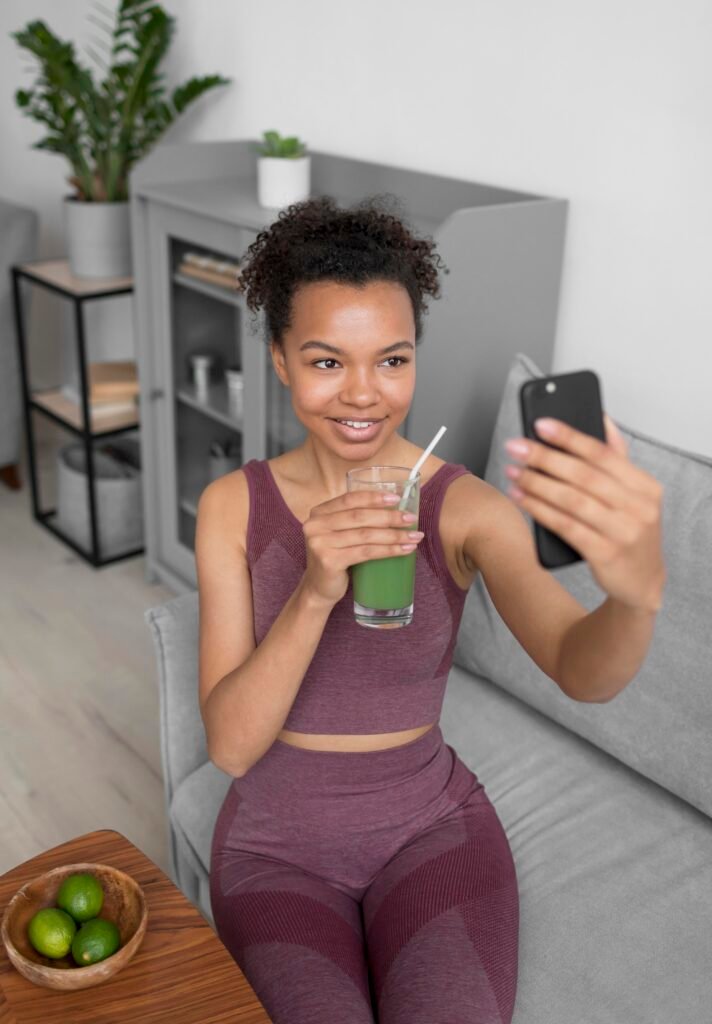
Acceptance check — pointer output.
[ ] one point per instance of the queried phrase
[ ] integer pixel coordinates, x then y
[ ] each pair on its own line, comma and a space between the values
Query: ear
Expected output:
279, 362
614, 437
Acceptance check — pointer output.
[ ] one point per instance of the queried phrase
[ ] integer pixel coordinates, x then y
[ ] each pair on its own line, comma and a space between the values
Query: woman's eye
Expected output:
400, 361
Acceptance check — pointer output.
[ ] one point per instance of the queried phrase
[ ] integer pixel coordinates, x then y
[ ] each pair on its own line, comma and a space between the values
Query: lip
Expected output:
357, 433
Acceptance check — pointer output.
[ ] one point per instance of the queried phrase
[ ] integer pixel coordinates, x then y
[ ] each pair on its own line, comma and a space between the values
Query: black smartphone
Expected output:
574, 398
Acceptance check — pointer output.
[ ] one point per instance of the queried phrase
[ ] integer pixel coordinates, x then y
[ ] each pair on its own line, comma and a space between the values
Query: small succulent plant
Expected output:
275, 145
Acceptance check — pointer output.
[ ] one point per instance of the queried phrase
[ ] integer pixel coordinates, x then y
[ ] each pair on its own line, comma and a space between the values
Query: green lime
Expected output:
94, 941
51, 932
81, 896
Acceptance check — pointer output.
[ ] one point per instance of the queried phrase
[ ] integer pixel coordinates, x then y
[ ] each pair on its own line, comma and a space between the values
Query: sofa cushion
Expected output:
614, 872
194, 811
661, 723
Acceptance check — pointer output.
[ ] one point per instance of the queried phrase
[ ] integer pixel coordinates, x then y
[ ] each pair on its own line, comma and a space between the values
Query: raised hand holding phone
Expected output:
589, 493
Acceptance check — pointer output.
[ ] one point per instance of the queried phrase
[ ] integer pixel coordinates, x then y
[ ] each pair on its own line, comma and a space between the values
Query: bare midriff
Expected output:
369, 741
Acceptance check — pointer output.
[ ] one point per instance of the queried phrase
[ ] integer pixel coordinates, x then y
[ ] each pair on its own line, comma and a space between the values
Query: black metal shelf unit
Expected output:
55, 276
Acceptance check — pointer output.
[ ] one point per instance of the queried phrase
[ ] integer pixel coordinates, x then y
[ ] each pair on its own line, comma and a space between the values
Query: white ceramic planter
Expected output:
282, 180
98, 238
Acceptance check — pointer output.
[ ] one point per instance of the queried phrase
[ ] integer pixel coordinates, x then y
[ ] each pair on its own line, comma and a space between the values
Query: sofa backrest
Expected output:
661, 723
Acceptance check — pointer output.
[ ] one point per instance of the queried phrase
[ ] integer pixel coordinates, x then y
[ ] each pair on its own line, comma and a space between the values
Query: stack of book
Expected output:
211, 269
113, 388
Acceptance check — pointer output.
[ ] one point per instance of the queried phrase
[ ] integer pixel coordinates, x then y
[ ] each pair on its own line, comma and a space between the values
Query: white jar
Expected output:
282, 180
235, 392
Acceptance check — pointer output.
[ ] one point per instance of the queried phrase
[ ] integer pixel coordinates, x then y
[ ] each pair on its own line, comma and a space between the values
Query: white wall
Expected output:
605, 103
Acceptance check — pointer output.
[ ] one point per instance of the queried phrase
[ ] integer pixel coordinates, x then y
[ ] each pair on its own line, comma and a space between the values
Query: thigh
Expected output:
298, 941
441, 923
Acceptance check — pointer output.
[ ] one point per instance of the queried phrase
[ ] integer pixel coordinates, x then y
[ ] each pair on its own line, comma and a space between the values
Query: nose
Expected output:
361, 389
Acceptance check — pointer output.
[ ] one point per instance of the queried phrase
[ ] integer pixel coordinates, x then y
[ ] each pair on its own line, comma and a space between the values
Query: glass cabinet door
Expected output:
206, 344
203, 424
283, 430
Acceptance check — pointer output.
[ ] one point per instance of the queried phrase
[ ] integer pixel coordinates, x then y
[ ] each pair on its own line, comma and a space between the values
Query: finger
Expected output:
352, 499
586, 477
371, 535
589, 543
348, 519
614, 524
593, 451
598, 453
614, 437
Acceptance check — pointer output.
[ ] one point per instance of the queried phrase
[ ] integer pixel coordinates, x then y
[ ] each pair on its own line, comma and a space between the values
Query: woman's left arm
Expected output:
590, 494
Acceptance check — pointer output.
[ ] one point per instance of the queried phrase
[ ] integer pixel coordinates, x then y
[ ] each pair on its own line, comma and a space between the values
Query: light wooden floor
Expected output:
79, 739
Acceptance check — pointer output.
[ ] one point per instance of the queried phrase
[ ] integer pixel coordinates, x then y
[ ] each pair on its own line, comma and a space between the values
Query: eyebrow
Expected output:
340, 352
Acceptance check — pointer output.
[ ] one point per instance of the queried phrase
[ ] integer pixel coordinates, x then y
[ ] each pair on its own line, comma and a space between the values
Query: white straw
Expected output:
411, 476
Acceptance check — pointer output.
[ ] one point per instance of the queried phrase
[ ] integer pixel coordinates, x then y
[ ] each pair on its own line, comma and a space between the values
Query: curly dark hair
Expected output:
316, 240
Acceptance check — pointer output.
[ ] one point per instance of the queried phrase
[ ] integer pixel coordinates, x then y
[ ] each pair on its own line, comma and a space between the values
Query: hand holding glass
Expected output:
350, 528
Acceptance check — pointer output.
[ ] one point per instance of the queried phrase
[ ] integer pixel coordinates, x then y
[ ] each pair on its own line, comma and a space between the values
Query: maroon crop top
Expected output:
360, 680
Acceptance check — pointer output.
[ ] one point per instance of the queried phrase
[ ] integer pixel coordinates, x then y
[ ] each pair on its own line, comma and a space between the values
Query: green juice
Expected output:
384, 583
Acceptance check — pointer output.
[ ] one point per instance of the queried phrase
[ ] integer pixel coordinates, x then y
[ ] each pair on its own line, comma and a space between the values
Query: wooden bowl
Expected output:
124, 904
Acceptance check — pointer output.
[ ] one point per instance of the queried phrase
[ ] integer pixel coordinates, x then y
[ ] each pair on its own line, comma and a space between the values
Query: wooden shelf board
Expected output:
57, 402
58, 274
223, 294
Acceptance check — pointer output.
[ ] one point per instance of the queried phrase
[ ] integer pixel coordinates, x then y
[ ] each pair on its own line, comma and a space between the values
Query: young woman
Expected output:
359, 871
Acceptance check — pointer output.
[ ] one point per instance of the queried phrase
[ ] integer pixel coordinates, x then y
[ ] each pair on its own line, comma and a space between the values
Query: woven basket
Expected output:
117, 486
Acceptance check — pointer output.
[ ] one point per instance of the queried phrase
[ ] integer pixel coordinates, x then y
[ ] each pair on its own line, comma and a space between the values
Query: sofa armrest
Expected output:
184, 748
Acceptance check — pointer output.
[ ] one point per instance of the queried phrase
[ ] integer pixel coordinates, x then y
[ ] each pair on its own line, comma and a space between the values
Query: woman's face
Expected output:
360, 381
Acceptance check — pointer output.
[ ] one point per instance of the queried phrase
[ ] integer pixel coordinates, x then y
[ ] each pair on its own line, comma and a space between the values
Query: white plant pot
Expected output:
98, 238
282, 180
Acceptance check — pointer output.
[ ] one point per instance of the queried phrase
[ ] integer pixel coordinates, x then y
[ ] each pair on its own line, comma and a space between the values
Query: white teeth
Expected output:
359, 426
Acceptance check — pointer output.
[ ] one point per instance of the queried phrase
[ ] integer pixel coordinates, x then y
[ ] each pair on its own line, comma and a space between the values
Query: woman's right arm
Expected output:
247, 691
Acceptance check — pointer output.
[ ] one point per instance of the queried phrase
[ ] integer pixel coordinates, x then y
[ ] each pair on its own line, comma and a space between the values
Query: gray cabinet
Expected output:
503, 249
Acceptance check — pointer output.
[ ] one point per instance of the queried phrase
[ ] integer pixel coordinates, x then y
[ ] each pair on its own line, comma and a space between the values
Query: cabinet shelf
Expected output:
94, 541
216, 404
68, 412
214, 291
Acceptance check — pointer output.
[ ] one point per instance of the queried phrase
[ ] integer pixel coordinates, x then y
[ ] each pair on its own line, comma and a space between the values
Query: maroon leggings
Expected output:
368, 886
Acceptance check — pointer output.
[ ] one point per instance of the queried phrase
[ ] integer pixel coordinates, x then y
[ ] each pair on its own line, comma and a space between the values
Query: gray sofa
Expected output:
19, 228
607, 806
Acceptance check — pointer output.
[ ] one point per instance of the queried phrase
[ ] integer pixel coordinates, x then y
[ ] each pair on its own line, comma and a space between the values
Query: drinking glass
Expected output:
383, 588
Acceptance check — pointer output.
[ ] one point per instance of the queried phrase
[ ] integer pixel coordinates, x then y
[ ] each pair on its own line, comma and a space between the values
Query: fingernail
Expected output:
545, 426
409, 517
391, 499
516, 447
515, 491
513, 471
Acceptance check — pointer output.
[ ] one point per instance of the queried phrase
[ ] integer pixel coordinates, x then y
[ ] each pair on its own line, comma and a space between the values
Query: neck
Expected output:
323, 471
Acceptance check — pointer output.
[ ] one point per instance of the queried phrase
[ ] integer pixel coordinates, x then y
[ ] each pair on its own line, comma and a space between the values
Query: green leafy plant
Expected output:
104, 128
277, 145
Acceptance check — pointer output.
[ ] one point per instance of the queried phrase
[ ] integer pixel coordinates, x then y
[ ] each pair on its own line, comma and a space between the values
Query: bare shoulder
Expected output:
468, 505
224, 507
224, 584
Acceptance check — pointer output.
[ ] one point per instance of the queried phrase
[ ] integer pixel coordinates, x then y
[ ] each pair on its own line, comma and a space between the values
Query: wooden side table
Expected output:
182, 972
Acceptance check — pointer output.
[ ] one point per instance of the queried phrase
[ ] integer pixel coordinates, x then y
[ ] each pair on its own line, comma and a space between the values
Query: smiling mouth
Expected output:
337, 420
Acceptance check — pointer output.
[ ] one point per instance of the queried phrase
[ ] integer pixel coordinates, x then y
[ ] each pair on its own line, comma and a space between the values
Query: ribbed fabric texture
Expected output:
365, 886
360, 680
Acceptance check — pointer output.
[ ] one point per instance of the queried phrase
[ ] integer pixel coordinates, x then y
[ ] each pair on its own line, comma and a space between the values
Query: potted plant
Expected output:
283, 171
104, 128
